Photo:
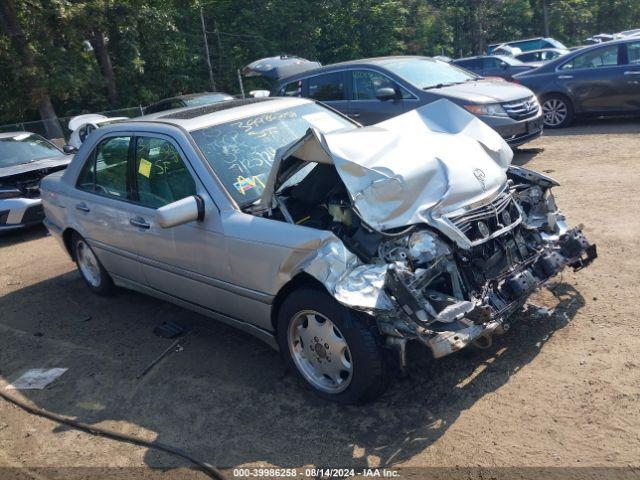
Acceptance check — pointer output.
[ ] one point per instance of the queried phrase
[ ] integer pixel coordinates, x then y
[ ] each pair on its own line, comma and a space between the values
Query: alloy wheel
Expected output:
88, 264
555, 112
320, 351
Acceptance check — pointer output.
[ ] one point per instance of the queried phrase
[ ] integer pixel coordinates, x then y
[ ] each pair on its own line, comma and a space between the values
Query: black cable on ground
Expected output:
121, 437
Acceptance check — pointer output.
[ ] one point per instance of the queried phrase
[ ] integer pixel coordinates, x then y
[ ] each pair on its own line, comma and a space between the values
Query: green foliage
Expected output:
156, 46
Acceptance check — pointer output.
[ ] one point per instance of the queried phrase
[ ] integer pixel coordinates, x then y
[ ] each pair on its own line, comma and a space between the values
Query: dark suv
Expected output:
375, 89
493, 65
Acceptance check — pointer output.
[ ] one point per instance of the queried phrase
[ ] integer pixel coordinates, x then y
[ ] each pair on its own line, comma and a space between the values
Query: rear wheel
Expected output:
557, 111
331, 348
92, 271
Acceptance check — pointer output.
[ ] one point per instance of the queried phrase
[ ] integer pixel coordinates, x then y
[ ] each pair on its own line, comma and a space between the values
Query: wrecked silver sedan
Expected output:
335, 243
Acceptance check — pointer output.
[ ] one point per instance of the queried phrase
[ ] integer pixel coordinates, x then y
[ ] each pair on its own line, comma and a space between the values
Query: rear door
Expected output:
364, 106
631, 72
329, 88
595, 80
100, 206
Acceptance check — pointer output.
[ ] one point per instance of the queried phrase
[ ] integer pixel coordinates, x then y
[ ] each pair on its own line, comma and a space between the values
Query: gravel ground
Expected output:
556, 391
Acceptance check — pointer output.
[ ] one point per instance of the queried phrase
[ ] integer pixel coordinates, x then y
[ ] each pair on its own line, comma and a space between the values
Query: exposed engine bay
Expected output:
445, 249
437, 292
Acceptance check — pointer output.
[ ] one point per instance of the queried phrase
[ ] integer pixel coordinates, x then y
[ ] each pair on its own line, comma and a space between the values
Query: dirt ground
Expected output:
562, 390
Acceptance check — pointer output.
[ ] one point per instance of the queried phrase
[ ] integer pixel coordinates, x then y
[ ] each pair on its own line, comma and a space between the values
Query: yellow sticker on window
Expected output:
145, 168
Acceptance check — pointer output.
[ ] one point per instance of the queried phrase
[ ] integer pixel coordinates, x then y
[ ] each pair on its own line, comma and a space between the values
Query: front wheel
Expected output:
335, 351
557, 111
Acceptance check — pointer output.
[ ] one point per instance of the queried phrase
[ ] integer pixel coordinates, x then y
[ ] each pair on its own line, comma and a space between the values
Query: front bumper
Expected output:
517, 132
504, 295
20, 212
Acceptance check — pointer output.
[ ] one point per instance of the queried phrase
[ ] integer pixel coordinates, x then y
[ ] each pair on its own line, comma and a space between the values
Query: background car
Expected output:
82, 125
528, 44
190, 100
25, 158
371, 90
602, 79
493, 65
542, 55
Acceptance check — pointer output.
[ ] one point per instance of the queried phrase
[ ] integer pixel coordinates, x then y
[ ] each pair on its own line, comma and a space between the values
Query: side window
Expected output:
105, 171
633, 53
87, 178
161, 175
111, 166
600, 57
327, 87
293, 89
491, 62
366, 83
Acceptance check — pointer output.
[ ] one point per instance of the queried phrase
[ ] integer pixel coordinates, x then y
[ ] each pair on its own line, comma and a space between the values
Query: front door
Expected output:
186, 261
594, 79
364, 106
631, 82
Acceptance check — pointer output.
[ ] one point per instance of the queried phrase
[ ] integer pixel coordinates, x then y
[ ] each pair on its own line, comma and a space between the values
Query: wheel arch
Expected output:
559, 94
301, 280
67, 237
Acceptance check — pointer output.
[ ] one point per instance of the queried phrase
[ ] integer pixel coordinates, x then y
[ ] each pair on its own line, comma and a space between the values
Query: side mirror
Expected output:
386, 93
183, 211
504, 65
69, 149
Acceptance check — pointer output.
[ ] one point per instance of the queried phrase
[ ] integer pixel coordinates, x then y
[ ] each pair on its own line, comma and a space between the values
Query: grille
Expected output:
33, 214
481, 223
523, 108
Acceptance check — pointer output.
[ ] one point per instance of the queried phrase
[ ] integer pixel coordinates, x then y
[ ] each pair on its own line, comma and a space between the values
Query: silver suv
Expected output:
334, 243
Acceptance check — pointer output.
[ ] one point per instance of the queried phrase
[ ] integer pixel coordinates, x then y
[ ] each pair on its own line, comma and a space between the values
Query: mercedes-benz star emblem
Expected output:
480, 176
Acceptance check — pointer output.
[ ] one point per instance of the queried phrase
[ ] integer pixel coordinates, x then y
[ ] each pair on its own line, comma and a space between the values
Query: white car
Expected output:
25, 158
82, 125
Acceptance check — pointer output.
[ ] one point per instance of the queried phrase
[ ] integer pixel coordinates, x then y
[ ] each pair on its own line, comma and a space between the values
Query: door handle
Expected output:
353, 115
140, 223
632, 72
82, 207
565, 77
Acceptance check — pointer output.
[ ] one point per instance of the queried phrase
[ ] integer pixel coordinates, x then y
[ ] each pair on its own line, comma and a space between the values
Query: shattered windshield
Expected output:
242, 152
25, 148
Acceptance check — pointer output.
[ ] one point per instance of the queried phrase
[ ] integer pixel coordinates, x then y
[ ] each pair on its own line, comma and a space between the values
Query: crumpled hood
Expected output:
485, 91
427, 162
36, 165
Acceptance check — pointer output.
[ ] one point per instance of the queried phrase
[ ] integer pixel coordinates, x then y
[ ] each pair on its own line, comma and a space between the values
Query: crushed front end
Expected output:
448, 296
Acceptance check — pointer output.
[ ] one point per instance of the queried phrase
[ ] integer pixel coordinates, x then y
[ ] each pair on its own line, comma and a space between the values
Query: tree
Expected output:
39, 96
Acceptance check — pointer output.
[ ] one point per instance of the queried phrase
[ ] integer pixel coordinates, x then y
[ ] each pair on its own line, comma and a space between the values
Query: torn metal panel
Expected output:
430, 161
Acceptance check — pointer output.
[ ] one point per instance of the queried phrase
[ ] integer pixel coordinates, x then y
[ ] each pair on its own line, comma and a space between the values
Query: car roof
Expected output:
550, 49
15, 134
501, 57
194, 118
189, 96
361, 62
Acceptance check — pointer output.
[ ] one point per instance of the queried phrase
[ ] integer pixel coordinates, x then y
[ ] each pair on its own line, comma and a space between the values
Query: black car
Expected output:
601, 79
371, 90
493, 65
191, 100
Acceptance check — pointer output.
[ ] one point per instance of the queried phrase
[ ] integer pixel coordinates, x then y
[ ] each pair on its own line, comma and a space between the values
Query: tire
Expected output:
91, 270
357, 373
557, 111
